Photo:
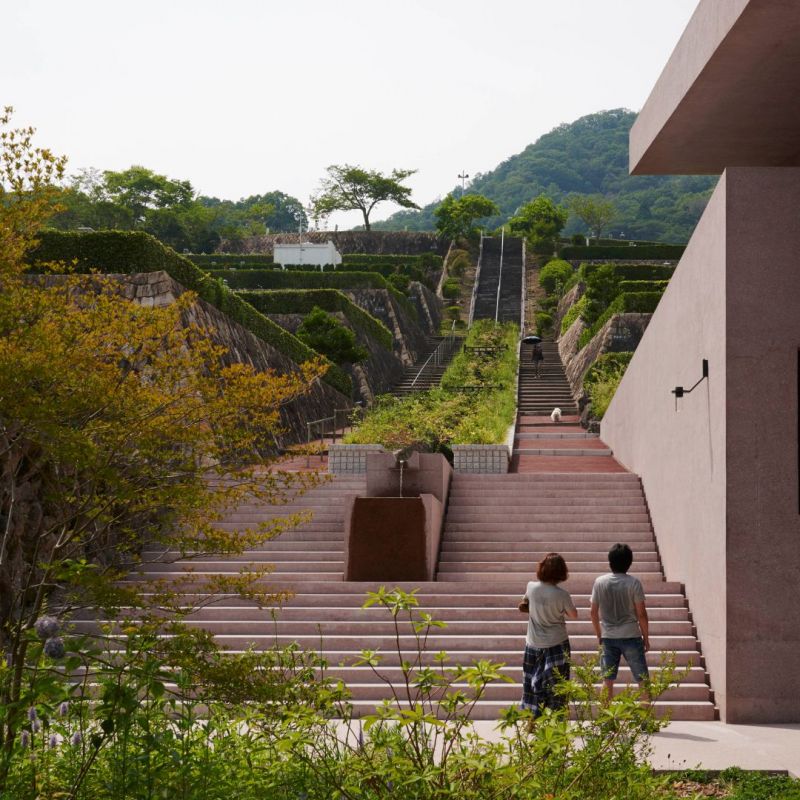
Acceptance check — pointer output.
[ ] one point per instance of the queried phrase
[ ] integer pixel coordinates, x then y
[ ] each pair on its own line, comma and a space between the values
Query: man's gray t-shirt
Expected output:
547, 606
616, 595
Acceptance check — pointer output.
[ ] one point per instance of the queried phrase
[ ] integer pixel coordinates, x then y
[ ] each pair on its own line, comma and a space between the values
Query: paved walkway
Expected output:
716, 746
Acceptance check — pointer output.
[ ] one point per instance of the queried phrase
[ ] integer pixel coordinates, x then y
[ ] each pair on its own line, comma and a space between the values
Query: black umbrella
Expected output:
532, 339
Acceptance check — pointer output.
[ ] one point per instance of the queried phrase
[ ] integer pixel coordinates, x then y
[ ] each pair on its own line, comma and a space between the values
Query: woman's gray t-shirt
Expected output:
548, 605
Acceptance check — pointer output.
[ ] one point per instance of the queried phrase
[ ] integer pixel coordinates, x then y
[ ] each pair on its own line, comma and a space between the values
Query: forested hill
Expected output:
588, 156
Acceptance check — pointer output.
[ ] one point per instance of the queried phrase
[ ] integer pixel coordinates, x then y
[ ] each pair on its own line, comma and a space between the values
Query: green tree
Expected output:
540, 221
325, 334
139, 189
349, 188
456, 217
596, 211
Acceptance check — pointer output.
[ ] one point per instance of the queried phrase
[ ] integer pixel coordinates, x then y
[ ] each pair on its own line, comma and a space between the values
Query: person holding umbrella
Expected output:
537, 355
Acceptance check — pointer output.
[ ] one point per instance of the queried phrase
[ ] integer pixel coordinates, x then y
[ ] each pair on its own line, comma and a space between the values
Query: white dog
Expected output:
556, 415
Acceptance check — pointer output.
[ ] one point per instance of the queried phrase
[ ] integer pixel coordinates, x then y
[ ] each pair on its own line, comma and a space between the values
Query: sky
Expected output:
244, 97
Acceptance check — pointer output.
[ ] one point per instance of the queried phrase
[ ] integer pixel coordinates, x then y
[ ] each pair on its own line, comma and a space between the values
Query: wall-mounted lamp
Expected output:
679, 391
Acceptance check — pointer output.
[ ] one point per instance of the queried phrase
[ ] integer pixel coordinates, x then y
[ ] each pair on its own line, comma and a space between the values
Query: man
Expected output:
619, 618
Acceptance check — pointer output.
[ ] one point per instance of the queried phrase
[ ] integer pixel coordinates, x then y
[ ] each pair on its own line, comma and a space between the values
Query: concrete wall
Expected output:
721, 474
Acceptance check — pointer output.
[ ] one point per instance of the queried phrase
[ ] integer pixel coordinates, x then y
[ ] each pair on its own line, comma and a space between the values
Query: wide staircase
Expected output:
426, 373
497, 528
501, 264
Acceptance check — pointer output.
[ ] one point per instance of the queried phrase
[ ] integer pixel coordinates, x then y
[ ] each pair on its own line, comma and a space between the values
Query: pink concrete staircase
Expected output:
497, 527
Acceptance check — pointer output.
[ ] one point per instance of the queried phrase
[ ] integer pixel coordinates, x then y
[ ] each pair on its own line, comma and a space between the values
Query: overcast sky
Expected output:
245, 96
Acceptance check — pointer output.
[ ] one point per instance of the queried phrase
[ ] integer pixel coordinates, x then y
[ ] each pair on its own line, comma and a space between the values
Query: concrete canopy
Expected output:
729, 94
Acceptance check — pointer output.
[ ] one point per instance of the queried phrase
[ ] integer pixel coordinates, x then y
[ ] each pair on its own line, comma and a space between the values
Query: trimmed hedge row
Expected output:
231, 261
127, 252
298, 279
642, 252
626, 303
260, 260
302, 301
634, 272
643, 286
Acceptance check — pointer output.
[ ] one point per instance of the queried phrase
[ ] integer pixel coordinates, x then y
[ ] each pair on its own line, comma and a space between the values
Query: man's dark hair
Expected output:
620, 558
552, 569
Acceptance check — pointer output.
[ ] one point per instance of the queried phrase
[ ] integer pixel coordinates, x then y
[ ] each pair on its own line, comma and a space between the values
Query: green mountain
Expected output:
588, 156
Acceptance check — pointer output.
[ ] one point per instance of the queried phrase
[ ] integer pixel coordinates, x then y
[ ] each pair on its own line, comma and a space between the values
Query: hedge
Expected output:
626, 303
231, 261
294, 301
643, 286
297, 279
642, 252
635, 272
127, 252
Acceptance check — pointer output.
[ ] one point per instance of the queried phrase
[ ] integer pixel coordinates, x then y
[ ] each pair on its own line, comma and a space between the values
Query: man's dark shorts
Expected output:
631, 649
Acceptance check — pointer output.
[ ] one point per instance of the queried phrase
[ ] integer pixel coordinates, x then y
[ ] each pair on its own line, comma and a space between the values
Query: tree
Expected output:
596, 211
349, 188
455, 218
139, 189
120, 426
325, 334
540, 221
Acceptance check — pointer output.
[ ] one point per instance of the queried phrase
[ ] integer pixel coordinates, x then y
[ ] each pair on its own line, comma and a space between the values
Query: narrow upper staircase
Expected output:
539, 396
507, 272
426, 373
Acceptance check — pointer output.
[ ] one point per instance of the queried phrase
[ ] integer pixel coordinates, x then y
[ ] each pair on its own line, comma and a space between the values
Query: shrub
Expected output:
643, 286
459, 262
641, 303
578, 239
633, 272
451, 288
554, 275
399, 282
602, 286
134, 251
327, 335
232, 261
572, 314
544, 322
603, 378
302, 301
453, 313
296, 279
641, 252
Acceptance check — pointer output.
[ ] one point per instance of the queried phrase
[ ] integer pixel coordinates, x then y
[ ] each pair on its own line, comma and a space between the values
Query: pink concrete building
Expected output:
722, 470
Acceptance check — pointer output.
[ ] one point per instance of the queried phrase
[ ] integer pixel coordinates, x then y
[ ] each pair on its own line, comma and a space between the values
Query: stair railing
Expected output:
340, 418
441, 355
500, 274
475, 282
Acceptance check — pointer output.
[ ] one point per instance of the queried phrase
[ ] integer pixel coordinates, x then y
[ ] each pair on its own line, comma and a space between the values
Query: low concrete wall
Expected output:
422, 473
350, 459
721, 473
481, 458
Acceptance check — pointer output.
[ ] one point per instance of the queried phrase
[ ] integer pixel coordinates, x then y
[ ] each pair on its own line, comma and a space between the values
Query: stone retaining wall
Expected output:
350, 459
481, 458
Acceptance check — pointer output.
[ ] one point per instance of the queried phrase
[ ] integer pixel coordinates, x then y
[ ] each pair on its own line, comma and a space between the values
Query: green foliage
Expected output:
540, 221
298, 279
576, 310
594, 210
453, 313
349, 188
544, 322
603, 378
456, 217
553, 276
638, 303
451, 288
632, 272
128, 252
459, 263
735, 784
140, 199
210, 261
173, 717
325, 334
590, 157
643, 286
622, 252
602, 286
439, 418
302, 301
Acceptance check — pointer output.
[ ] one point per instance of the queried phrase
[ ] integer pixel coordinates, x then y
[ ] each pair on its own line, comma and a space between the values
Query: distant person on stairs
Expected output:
619, 618
546, 659
537, 357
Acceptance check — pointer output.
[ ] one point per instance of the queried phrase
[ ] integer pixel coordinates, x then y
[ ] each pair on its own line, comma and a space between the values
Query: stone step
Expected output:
514, 564
532, 526
633, 514
586, 577
536, 552
569, 548
549, 434
542, 451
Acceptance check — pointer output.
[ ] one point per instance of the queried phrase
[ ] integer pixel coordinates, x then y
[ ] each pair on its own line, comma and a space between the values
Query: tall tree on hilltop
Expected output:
596, 211
349, 188
540, 221
455, 218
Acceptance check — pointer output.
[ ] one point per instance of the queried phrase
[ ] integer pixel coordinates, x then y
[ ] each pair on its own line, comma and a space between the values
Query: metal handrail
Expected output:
500, 274
475, 283
349, 413
447, 344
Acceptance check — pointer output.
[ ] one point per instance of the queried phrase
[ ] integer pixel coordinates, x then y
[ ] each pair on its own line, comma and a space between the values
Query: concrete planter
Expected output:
350, 459
481, 458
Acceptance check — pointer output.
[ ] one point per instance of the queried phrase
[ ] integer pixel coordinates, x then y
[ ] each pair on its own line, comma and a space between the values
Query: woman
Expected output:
537, 356
547, 650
